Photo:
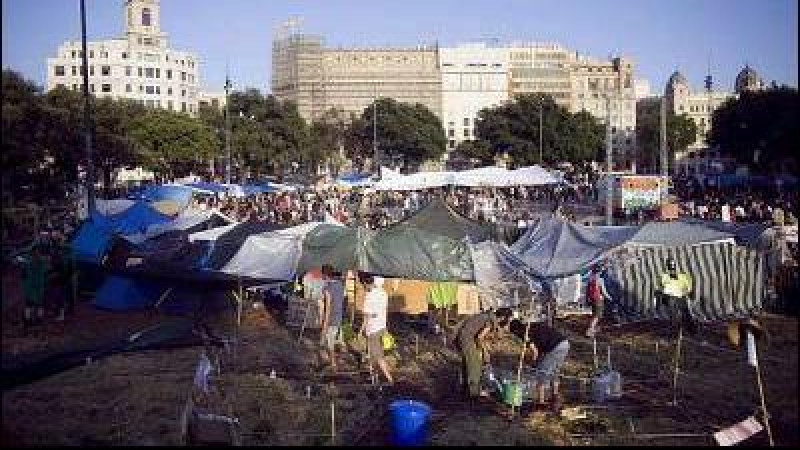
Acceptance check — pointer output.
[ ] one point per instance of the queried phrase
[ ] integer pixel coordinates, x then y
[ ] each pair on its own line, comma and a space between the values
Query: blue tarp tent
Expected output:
124, 294
216, 188
91, 242
133, 220
156, 193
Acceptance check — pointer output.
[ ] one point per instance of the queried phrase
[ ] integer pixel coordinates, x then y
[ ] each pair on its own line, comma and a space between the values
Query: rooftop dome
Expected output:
747, 80
675, 79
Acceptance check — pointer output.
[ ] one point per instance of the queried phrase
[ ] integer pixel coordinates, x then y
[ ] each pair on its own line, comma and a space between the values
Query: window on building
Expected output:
141, 88
149, 90
149, 72
74, 87
183, 106
191, 108
146, 17
183, 92
105, 87
139, 41
91, 88
91, 71
139, 71
183, 76
124, 55
451, 143
149, 103
128, 71
91, 53
128, 88
169, 91
170, 106
452, 124
466, 121
466, 132
105, 71
59, 85
158, 73
451, 133
147, 41
74, 54
158, 90
59, 71
169, 74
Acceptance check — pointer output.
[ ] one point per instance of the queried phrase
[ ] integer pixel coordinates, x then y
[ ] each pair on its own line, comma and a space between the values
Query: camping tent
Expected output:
125, 294
438, 217
554, 247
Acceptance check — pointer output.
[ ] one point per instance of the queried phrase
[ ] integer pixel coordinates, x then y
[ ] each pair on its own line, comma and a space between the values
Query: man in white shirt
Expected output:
376, 304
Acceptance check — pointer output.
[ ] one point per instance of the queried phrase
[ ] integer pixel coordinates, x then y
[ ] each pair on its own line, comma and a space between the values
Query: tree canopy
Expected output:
513, 128
759, 129
681, 132
411, 133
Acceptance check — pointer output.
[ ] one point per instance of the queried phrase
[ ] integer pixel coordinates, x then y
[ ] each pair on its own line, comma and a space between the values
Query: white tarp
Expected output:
112, 207
212, 234
481, 176
187, 219
272, 255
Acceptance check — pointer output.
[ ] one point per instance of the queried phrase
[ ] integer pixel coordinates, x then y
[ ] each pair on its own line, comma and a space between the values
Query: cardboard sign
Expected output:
739, 432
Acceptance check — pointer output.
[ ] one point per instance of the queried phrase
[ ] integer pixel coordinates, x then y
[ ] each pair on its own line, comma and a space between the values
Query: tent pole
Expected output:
676, 367
763, 402
522, 356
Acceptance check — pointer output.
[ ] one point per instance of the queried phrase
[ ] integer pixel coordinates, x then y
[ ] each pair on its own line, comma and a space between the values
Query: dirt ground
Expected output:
139, 398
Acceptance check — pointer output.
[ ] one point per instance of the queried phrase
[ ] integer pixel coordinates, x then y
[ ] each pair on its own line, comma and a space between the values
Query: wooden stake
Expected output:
676, 367
333, 423
763, 401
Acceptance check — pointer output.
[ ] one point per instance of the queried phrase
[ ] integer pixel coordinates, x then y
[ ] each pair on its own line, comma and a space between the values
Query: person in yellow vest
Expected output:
676, 290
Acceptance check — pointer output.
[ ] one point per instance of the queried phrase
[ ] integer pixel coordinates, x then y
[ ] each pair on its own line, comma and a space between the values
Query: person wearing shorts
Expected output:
376, 304
548, 350
332, 311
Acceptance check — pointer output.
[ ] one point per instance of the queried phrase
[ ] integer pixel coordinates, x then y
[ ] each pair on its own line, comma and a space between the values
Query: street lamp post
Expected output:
227, 131
541, 161
375, 163
609, 177
87, 114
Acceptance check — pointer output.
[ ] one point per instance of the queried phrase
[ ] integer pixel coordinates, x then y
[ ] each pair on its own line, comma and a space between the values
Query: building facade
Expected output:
474, 77
605, 89
139, 65
455, 83
320, 79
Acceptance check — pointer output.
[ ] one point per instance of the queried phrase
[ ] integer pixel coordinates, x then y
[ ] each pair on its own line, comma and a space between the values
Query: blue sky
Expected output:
660, 35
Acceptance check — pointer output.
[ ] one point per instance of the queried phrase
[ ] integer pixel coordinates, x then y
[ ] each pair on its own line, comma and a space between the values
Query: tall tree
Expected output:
759, 129
681, 132
514, 128
411, 133
171, 143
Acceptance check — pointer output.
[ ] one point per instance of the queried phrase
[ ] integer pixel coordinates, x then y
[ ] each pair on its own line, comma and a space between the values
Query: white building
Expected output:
474, 77
139, 65
641, 88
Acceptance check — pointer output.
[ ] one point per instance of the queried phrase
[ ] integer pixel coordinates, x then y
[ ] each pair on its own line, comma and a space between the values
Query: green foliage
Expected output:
514, 128
408, 132
759, 129
267, 135
172, 143
681, 132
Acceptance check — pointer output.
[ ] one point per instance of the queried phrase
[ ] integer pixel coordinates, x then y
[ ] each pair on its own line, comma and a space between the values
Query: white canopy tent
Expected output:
490, 176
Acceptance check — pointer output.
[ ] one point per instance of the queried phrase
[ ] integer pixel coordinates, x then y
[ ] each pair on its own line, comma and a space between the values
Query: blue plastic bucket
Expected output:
409, 422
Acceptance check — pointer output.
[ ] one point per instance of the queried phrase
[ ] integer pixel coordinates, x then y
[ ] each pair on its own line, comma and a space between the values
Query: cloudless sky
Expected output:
660, 35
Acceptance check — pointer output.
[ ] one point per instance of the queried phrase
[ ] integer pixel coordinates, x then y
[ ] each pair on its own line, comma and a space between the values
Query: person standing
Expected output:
376, 304
472, 340
675, 290
548, 349
34, 285
597, 295
332, 312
